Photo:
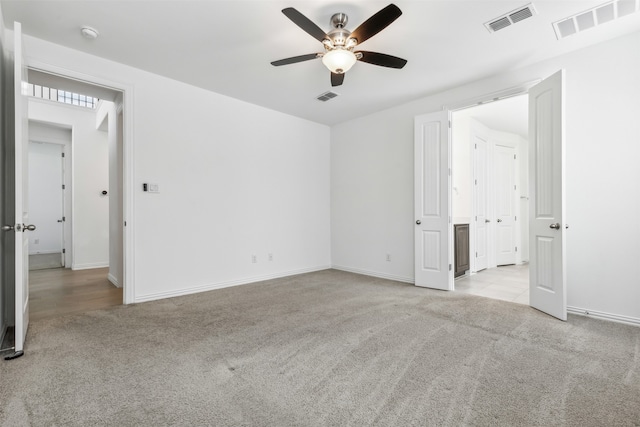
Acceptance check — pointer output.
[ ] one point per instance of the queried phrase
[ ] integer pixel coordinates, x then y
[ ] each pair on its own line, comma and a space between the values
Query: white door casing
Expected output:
547, 236
433, 230
505, 204
21, 204
481, 217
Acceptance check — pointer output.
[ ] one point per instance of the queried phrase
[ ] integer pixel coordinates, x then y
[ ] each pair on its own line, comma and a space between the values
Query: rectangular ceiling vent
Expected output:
606, 12
513, 17
324, 97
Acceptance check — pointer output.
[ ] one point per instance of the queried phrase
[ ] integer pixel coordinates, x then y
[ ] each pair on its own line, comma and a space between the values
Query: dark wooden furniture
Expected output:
461, 248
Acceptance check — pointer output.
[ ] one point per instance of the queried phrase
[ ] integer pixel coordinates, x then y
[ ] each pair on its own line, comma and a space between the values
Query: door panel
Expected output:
505, 203
21, 190
480, 198
46, 198
432, 202
547, 287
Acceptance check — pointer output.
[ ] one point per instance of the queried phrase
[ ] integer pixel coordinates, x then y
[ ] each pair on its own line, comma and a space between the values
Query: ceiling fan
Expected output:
339, 43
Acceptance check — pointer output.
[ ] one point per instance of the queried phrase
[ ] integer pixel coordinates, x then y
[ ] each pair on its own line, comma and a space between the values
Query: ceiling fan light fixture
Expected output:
339, 61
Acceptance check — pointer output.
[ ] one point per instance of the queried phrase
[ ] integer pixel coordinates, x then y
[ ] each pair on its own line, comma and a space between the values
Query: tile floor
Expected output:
508, 283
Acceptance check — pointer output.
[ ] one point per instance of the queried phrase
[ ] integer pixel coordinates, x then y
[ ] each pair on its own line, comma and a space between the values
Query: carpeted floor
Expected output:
326, 348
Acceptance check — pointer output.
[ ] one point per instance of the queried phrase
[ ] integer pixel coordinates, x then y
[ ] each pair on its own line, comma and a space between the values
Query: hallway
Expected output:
60, 291
507, 283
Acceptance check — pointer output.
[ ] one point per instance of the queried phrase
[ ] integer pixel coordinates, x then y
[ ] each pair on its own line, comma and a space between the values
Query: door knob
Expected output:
499, 220
29, 227
7, 227
555, 226
418, 222
487, 220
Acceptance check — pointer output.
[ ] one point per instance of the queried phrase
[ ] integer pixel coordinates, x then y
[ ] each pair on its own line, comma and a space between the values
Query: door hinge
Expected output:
516, 249
476, 217
514, 157
516, 218
514, 187
476, 145
62, 154
449, 267
476, 254
64, 251
476, 181
63, 186
449, 124
125, 223
64, 218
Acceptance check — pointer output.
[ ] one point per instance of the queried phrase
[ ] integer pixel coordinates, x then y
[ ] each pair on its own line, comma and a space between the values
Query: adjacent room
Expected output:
355, 213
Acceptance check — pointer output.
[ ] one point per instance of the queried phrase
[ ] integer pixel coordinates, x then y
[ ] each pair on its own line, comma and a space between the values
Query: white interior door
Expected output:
505, 204
480, 201
433, 230
547, 281
21, 206
46, 196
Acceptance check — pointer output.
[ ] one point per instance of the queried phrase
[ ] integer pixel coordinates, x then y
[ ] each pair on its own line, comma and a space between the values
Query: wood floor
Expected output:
61, 291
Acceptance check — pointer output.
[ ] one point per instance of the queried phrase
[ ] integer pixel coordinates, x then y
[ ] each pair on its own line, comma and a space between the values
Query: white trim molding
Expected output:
89, 266
113, 280
604, 316
221, 285
404, 279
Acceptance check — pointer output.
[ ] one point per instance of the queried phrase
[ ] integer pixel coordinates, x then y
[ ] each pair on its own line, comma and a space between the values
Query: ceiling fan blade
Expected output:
376, 23
337, 79
382, 59
295, 59
305, 23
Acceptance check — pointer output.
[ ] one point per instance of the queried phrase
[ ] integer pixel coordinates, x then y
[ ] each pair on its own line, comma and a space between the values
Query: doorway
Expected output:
490, 194
91, 275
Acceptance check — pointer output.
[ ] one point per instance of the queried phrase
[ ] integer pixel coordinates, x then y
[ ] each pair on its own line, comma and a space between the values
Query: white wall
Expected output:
89, 175
235, 180
461, 169
45, 197
372, 177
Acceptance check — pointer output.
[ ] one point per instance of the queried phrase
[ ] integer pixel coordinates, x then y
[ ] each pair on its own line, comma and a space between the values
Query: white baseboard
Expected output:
113, 280
375, 274
213, 286
604, 316
59, 251
89, 266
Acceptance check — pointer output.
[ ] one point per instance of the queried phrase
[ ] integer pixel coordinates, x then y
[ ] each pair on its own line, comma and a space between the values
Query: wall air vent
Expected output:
324, 97
513, 17
606, 12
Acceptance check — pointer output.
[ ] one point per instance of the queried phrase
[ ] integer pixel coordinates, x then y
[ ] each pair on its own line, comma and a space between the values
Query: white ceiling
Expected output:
506, 115
227, 46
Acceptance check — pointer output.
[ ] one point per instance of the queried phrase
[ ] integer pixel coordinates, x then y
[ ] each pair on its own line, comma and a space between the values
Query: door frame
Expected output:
128, 261
521, 89
63, 159
67, 195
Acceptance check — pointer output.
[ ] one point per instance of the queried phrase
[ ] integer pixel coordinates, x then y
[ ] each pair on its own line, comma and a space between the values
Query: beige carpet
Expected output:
327, 348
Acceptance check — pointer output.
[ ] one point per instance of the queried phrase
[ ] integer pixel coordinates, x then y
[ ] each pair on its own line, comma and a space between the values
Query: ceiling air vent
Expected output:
593, 17
510, 18
324, 97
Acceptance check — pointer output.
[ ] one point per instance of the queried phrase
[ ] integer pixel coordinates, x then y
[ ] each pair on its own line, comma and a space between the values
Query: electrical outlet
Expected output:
388, 257
254, 258
270, 257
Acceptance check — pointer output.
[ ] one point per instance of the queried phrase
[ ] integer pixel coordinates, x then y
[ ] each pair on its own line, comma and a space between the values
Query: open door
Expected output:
433, 234
21, 212
547, 272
